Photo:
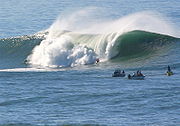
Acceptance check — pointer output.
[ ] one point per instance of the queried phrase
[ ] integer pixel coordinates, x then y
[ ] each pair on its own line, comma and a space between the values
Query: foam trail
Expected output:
72, 41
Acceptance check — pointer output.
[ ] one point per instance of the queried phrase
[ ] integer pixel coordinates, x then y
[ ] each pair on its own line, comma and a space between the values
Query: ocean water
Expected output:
48, 74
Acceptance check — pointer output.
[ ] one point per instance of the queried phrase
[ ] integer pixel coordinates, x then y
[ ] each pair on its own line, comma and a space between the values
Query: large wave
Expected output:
14, 51
68, 43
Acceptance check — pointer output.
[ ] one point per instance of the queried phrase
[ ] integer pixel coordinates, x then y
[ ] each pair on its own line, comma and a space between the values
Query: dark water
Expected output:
87, 95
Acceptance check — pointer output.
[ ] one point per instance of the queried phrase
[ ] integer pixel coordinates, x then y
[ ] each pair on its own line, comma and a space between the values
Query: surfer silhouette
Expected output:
169, 69
97, 60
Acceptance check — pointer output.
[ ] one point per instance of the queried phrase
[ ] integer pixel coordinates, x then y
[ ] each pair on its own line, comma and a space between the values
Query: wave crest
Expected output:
61, 52
65, 44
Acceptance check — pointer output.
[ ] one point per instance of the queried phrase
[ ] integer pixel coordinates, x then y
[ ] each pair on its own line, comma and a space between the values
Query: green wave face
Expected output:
18, 46
141, 43
13, 51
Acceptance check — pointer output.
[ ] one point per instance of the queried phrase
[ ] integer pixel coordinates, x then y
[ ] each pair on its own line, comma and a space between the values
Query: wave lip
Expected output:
68, 47
142, 42
72, 49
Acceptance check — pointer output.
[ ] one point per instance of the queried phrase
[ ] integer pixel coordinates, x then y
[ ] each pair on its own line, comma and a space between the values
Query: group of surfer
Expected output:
118, 73
138, 75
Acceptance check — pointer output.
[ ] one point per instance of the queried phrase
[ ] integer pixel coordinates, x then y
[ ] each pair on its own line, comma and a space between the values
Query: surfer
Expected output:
139, 73
169, 72
123, 72
169, 69
97, 60
129, 76
25, 61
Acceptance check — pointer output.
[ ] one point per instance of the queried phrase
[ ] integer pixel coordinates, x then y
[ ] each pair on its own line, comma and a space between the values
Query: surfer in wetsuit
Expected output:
123, 72
129, 76
169, 69
169, 72
97, 60
140, 74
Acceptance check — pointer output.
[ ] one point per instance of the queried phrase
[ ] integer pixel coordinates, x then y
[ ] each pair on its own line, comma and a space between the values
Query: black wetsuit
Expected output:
169, 69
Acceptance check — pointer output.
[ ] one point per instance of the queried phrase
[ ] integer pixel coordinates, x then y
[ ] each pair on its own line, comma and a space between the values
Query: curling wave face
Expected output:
58, 47
71, 49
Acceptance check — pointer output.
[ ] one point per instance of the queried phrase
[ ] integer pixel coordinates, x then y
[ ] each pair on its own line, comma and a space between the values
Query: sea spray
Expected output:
69, 43
61, 52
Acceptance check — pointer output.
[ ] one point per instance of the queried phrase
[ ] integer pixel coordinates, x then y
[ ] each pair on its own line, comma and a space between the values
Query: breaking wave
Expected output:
64, 45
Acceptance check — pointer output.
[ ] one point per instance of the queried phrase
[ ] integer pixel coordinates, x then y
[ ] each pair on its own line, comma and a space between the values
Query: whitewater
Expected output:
48, 70
68, 44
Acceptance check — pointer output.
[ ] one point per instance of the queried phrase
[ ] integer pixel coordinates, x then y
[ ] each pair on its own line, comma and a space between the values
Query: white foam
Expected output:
25, 70
61, 52
63, 49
